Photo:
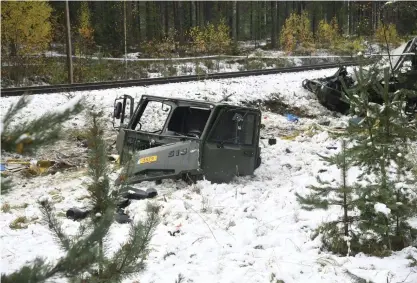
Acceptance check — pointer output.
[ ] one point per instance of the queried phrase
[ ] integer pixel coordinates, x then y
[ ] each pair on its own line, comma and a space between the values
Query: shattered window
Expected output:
235, 127
153, 117
189, 120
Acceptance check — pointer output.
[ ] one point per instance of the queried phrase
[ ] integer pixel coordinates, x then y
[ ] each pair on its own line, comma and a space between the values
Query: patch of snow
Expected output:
22, 138
382, 208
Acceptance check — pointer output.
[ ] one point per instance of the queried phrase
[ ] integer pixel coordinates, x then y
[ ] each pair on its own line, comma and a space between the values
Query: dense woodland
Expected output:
183, 28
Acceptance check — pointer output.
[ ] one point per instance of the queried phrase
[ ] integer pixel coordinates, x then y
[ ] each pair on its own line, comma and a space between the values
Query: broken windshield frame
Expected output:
168, 106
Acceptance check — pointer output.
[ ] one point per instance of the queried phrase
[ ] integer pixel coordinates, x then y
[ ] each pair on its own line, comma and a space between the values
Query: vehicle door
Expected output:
231, 147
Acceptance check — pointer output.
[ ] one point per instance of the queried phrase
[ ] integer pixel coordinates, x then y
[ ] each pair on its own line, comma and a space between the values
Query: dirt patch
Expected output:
275, 105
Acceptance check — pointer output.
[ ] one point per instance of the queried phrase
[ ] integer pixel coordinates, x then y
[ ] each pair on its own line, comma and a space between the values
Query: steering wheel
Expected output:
194, 133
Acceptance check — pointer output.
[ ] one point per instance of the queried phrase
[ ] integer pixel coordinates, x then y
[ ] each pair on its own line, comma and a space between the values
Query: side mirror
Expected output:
120, 105
117, 110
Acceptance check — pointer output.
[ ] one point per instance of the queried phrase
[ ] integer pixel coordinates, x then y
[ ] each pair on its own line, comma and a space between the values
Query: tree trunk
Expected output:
161, 19
178, 21
234, 21
201, 13
274, 24
238, 14
149, 30
193, 14
166, 16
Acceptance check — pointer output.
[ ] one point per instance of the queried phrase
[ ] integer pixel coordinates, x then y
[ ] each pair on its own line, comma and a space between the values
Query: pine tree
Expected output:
85, 31
337, 235
27, 137
86, 257
381, 146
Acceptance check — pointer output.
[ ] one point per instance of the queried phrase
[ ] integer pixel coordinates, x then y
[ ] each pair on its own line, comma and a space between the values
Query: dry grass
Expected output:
5, 207
19, 223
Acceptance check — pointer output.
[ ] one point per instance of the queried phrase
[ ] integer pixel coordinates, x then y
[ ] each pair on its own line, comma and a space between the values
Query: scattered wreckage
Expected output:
170, 138
404, 65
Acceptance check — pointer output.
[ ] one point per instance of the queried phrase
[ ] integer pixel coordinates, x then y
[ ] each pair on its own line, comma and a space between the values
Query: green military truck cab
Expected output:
173, 138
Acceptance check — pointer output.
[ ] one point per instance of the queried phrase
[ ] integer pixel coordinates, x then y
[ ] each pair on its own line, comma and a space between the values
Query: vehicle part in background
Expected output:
403, 61
77, 214
169, 138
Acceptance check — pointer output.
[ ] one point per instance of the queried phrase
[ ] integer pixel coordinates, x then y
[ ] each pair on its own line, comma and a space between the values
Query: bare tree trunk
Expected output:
234, 21
69, 47
274, 24
264, 19
166, 13
238, 7
251, 21
193, 14
138, 27
201, 13
149, 31
178, 21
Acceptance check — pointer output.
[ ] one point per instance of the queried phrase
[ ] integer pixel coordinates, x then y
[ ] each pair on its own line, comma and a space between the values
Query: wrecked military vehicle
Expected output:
169, 138
329, 90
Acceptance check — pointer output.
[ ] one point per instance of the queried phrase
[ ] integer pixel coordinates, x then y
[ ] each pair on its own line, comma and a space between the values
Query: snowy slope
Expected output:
250, 230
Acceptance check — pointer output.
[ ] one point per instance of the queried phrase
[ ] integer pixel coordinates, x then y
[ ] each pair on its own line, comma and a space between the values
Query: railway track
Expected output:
17, 91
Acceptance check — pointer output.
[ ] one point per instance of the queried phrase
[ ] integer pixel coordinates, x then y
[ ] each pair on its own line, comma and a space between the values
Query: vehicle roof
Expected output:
195, 102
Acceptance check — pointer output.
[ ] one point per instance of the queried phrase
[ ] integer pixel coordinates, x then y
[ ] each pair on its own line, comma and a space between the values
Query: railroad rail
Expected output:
17, 91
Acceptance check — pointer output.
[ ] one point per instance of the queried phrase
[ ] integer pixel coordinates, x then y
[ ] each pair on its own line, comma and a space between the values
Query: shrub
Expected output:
296, 31
199, 70
255, 65
328, 34
209, 64
349, 46
161, 48
5, 207
19, 223
385, 34
211, 39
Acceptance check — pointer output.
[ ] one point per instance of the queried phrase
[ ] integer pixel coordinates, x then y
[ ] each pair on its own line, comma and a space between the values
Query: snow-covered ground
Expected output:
251, 230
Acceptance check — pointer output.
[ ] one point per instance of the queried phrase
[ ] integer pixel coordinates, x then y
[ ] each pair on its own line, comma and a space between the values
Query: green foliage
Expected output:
387, 34
296, 31
381, 146
85, 35
25, 32
337, 236
86, 258
254, 64
5, 207
349, 46
26, 28
162, 48
377, 211
212, 39
328, 33
18, 223
199, 70
169, 71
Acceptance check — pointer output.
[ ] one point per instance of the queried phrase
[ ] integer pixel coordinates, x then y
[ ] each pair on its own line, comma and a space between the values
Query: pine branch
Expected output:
356, 278
79, 258
13, 110
312, 201
28, 136
130, 258
54, 225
